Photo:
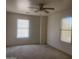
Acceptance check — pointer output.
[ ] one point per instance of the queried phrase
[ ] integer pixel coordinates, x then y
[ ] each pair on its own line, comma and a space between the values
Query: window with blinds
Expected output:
66, 29
22, 28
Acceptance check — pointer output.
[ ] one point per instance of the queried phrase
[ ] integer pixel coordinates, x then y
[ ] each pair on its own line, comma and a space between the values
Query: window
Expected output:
66, 29
22, 28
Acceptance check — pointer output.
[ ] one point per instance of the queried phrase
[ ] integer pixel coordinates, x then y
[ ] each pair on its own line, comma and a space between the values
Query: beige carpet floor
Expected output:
35, 52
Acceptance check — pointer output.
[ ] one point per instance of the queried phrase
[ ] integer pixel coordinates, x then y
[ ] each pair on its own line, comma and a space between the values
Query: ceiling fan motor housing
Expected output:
41, 6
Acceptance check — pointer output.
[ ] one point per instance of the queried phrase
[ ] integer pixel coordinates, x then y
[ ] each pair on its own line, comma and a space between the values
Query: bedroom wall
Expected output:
11, 29
53, 31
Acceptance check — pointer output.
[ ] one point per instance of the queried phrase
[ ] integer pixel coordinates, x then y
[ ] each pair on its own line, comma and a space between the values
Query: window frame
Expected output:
23, 28
66, 30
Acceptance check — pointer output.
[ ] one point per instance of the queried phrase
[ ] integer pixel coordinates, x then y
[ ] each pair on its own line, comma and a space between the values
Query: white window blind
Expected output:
66, 29
22, 28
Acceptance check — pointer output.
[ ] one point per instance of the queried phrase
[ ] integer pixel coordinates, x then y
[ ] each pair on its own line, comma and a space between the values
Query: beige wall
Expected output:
53, 31
43, 29
11, 29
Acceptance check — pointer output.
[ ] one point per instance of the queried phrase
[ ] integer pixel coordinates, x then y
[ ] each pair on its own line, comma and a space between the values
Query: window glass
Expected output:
66, 29
22, 28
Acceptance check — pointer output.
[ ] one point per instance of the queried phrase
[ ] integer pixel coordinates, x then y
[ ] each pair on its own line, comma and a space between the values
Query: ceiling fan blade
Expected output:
36, 10
46, 11
50, 8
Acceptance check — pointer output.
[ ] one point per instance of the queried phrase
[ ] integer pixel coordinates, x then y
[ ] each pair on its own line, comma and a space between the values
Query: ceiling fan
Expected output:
41, 8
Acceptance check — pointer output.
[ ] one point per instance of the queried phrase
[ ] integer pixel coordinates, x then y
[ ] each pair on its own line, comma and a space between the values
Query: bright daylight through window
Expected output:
22, 28
66, 29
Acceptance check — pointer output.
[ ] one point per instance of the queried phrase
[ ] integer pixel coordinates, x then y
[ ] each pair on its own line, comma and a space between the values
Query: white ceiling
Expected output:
29, 6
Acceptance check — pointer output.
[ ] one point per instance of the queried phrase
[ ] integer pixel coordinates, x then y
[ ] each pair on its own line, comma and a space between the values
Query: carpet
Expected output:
35, 52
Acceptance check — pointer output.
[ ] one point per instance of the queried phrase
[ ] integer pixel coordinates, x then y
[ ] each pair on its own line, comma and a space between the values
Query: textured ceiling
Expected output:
29, 6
